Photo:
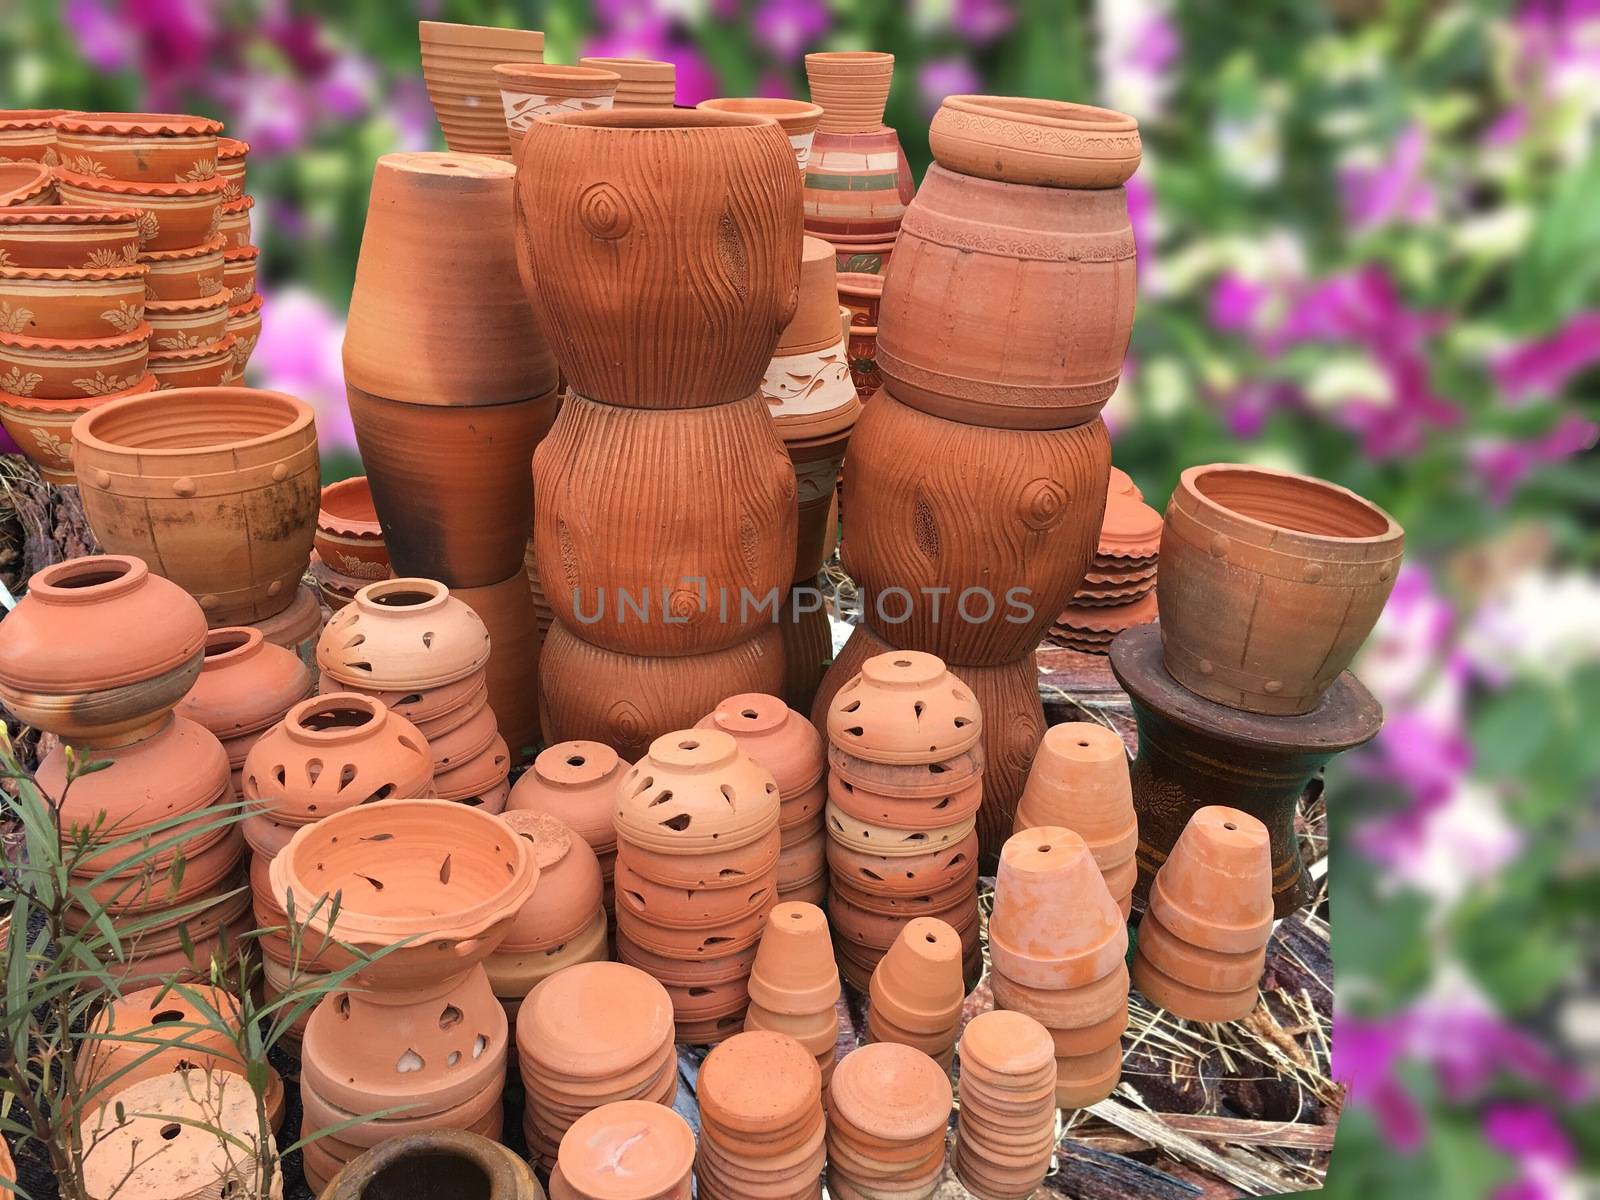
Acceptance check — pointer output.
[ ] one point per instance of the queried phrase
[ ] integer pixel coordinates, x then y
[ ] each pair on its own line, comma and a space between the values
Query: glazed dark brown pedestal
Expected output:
1194, 752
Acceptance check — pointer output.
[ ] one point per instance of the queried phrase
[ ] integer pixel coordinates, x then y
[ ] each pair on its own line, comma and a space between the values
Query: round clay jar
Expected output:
904, 707
401, 634
570, 889
1047, 143
696, 791
246, 683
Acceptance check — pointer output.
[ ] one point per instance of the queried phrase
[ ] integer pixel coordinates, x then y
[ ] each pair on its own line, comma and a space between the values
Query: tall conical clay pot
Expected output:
798, 118
438, 314
1055, 924
949, 340
644, 82
445, 1162
989, 530
458, 64
1049, 143
220, 486
857, 189
794, 971
852, 86
664, 249
1270, 582
506, 610
628, 523
532, 90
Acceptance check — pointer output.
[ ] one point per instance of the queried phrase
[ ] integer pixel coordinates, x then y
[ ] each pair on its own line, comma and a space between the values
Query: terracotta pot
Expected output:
852, 87
621, 535
1198, 968
129, 1033
142, 147
72, 368
404, 634
190, 273
530, 90
1291, 574
506, 609
918, 982
99, 650
869, 256
348, 535
26, 184
43, 428
234, 227
1049, 143
794, 971
458, 64
438, 315
861, 294
739, 867
246, 685
297, 626
244, 327
443, 1162
857, 188
567, 898
904, 707
629, 1149
71, 303
1215, 889
797, 118
891, 1094
575, 782
775, 736
667, 907
610, 271
187, 324
76, 236
880, 810
760, 1096
597, 1023
695, 791
926, 873
29, 133
807, 644
231, 155
966, 238
239, 272
175, 214
208, 366
513, 976
863, 351
1055, 924
645, 82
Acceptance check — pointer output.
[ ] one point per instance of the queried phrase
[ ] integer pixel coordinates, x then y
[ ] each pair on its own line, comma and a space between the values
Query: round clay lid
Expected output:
892, 1092
594, 1020
759, 1082
904, 707
630, 1150
1007, 1043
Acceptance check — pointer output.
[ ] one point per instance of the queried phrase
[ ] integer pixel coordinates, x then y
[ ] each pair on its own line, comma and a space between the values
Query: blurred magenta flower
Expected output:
1543, 366
301, 353
1394, 189
1532, 1137
1365, 1054
1235, 304
785, 28
1504, 465
937, 78
983, 21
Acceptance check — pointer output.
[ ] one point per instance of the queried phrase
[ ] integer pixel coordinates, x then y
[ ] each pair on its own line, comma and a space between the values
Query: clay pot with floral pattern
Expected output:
234, 225
188, 273
187, 324
77, 236
57, 302
29, 133
244, 327
231, 156
205, 366
175, 214
138, 147
532, 90
1047, 143
349, 537
48, 368
43, 428
239, 273
26, 184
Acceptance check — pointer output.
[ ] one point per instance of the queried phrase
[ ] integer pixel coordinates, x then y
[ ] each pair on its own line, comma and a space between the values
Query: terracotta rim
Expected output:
200, 304
366, 717
214, 246
230, 148
488, 37
228, 643
520, 72
69, 214
638, 70
382, 595
146, 415
75, 274
238, 312
78, 345
648, 120
1061, 114
242, 204
779, 108
24, 179
851, 62
30, 118
1209, 484
89, 580
195, 354
859, 283
345, 505
240, 254
150, 124
181, 190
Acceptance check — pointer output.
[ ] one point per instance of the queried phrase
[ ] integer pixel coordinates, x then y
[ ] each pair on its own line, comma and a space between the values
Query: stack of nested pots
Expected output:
445, 365
348, 551
625, 1150
762, 1129
1080, 780
1006, 1130
246, 686
426, 890
29, 135
418, 648
794, 986
697, 857
1119, 590
1203, 941
594, 1034
641, 82
1057, 949
663, 257
917, 990
576, 782
858, 182
977, 476
904, 788
458, 63
98, 652
239, 255
888, 1110
563, 923
788, 745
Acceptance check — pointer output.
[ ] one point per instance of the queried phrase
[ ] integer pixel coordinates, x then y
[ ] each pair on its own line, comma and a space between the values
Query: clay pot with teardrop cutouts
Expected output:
696, 791
156, 1030
1048, 143
401, 634
773, 734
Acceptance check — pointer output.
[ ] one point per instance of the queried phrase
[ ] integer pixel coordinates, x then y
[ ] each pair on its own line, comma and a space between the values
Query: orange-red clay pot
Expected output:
1050, 143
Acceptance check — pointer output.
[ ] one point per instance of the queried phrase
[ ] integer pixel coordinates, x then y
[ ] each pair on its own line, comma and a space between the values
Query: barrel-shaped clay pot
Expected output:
857, 185
1269, 584
665, 249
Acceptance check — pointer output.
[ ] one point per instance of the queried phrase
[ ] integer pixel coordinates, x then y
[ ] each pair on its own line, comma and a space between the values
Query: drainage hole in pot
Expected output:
577, 760
689, 745
933, 939
1044, 849
166, 1017
1229, 825
902, 662
749, 714
168, 1132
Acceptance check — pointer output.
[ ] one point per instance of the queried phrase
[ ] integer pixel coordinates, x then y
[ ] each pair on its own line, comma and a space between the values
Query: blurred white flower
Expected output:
1250, 147
1455, 845
1544, 623
1139, 47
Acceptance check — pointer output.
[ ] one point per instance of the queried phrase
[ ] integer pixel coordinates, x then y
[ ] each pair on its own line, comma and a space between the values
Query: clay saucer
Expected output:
904, 707
773, 734
1130, 529
891, 1092
891, 842
1121, 483
632, 1150
1110, 619
594, 1020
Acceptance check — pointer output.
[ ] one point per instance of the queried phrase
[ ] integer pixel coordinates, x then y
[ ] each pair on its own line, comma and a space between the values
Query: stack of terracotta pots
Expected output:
788, 745
531, 90
563, 923
977, 477
427, 889
798, 118
29, 135
240, 256
591, 1035
458, 63
1119, 590
762, 1129
642, 82
858, 182
1007, 1125
1057, 945
415, 646
576, 782
1080, 780
28, 184
888, 1110
907, 778
246, 685
663, 253
348, 549
630, 1148
98, 652
917, 990
1203, 941
446, 365
794, 986
697, 856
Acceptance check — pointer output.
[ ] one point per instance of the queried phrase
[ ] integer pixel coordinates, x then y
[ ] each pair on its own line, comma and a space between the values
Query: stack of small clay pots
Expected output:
904, 788
412, 644
1119, 589
246, 685
1203, 940
240, 256
563, 923
917, 991
1080, 780
789, 746
576, 782
794, 986
888, 1110
697, 855
762, 1129
630, 1148
1007, 1125
348, 551
99, 652
1057, 948
591, 1035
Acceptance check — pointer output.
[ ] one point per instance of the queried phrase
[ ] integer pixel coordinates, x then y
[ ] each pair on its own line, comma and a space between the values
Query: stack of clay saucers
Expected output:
918, 989
1007, 1126
1203, 942
1079, 779
576, 782
562, 924
246, 686
697, 857
794, 988
591, 1035
1119, 590
1057, 948
903, 797
761, 1124
630, 1150
788, 745
348, 551
412, 644
887, 1113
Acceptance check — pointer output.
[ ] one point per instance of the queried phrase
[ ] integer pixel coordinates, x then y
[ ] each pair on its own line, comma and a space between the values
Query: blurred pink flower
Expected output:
1396, 189
1531, 1136
1504, 465
1543, 367
937, 78
787, 27
301, 353
1365, 1054
983, 20
652, 39
1236, 303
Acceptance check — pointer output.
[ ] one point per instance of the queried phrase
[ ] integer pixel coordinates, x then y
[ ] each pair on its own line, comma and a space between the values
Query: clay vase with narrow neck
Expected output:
852, 86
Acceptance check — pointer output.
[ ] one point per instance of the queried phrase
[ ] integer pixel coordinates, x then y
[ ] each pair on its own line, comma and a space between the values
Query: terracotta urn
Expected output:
77, 236
175, 214
446, 1162
1049, 143
857, 189
1270, 582
629, 1149
29, 133
349, 537
458, 64
438, 315
190, 273
246, 685
244, 327
888, 1109
231, 156
568, 896
1055, 924
58, 302
403, 634
610, 269
26, 184
644, 82
974, 240
798, 118
99, 650
904, 707
142, 147
220, 485
852, 87
530, 90
73, 368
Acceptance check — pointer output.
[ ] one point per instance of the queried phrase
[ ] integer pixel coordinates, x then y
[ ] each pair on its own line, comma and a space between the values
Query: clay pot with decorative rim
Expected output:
438, 315
190, 273
458, 64
1055, 924
246, 685
794, 971
43, 428
1270, 582
858, 187
893, 812
852, 86
625, 289
948, 344
76, 236
244, 327
26, 184
904, 707
506, 609
99, 650
207, 366
404, 634
29, 133
695, 791
176, 214
567, 898
575, 782
349, 537
775, 736
614, 534
1048, 143
234, 228
231, 155
72, 368
798, 118
531, 90
71, 302
644, 82
631, 1149
444, 1162
187, 324
239, 272
142, 147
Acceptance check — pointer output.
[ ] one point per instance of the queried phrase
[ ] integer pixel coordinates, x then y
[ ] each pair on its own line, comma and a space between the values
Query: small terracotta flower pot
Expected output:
176, 215
187, 324
231, 155
190, 273
1080, 780
798, 118
1055, 924
26, 184
852, 87
904, 707
29, 133
246, 685
1048, 143
794, 970
918, 982
1215, 889
205, 366
644, 82
43, 428
348, 535
404, 634
72, 368
530, 90
239, 273
71, 303
78, 236
234, 224
244, 327
142, 147
575, 782
458, 64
